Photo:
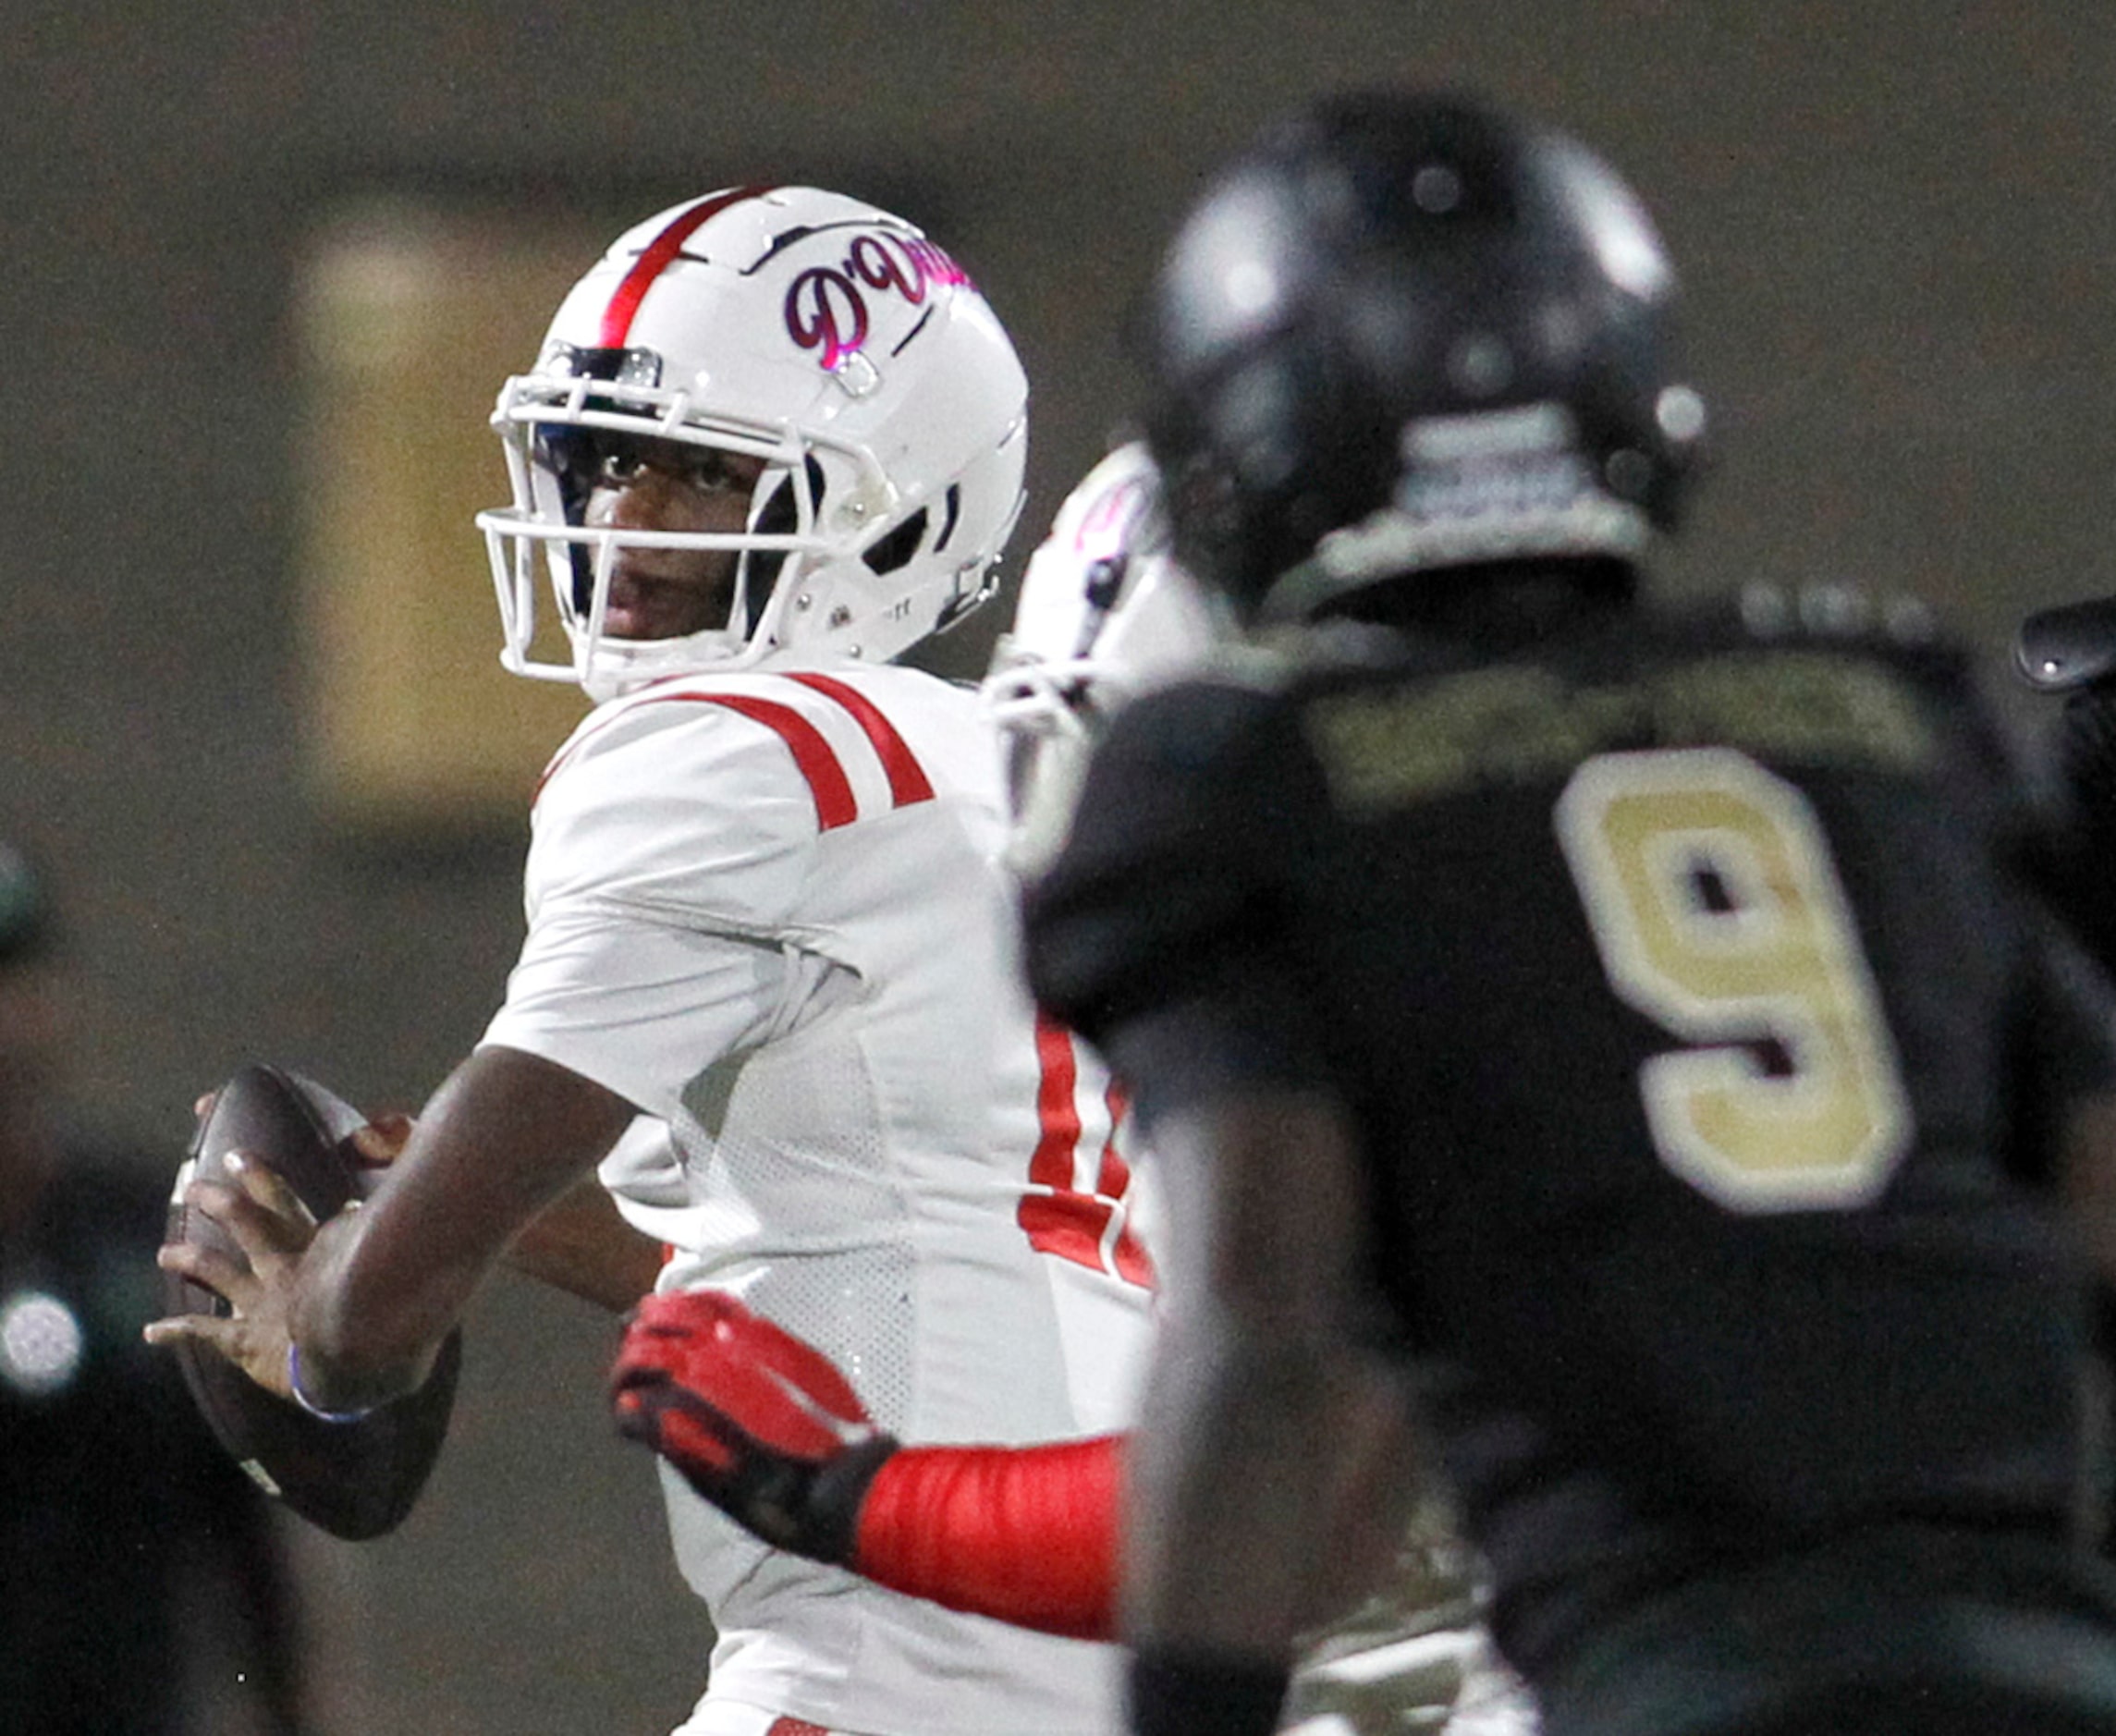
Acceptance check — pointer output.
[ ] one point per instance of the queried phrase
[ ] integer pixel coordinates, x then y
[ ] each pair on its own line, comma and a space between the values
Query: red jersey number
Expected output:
1090, 1226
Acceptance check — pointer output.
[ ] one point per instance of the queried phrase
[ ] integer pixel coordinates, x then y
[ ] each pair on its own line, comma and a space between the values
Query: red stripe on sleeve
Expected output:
907, 781
655, 258
1026, 1534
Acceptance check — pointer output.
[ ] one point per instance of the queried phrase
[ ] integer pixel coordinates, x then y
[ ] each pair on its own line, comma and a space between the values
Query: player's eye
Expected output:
711, 473
702, 470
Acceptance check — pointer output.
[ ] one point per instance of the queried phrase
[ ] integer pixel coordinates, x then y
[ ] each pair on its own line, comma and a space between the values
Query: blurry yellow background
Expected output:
409, 317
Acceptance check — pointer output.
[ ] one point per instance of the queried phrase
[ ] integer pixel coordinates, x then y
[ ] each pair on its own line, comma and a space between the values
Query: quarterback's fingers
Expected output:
211, 1330
261, 1231
260, 1355
209, 1268
269, 1189
382, 1140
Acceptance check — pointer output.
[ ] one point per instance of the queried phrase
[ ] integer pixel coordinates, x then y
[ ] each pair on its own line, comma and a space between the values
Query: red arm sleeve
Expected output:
1026, 1534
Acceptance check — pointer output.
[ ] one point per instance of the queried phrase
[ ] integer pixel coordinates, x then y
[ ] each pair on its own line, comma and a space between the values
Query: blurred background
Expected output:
265, 267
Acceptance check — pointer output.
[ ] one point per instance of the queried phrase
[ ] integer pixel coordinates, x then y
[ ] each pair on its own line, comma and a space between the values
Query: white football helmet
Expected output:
809, 330
1103, 613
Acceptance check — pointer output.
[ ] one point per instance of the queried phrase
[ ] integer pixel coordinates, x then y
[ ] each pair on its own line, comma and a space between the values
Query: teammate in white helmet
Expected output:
774, 438
1104, 612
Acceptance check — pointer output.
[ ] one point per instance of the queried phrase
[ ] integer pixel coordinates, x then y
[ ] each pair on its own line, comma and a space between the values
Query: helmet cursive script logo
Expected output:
826, 305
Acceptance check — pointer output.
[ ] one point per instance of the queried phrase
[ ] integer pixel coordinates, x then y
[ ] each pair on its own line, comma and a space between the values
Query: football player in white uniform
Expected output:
773, 439
1103, 615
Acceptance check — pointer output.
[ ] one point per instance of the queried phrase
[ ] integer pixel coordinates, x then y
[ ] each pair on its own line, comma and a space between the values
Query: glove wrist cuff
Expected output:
838, 1494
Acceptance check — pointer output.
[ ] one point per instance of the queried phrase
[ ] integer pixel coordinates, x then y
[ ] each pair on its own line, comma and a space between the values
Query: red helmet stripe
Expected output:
655, 258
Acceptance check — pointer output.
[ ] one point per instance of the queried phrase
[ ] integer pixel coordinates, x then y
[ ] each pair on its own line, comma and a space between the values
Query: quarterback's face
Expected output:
669, 485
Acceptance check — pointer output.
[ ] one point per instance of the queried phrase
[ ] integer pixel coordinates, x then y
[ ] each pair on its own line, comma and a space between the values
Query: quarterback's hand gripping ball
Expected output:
760, 1424
358, 1478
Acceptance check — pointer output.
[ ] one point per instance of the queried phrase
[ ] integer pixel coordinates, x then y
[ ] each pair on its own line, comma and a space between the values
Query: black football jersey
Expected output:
1678, 980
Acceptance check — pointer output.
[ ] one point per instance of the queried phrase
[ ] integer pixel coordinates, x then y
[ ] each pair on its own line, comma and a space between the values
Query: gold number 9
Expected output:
1715, 903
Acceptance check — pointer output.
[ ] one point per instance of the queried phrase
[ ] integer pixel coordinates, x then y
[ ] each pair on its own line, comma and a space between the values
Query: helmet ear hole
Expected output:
886, 553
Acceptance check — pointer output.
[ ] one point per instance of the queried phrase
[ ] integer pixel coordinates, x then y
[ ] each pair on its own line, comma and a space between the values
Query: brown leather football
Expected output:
355, 1479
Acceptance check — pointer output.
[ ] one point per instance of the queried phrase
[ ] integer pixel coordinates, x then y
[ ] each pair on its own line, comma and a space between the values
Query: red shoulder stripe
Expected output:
655, 258
835, 803
907, 781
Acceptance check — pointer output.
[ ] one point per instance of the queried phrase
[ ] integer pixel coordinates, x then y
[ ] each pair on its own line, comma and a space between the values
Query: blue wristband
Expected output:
307, 1404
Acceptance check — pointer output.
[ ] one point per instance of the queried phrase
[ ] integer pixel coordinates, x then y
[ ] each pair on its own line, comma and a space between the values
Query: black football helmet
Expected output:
1404, 332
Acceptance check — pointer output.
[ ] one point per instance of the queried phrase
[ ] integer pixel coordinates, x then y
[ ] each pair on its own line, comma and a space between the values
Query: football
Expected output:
357, 1479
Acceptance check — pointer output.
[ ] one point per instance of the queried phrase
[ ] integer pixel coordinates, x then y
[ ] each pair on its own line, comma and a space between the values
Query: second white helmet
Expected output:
1103, 613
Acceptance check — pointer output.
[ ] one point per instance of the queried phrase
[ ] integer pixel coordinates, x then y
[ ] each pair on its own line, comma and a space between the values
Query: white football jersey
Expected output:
767, 910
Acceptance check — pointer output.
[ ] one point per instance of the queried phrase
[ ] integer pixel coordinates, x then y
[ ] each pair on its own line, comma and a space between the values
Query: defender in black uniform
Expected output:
1624, 1022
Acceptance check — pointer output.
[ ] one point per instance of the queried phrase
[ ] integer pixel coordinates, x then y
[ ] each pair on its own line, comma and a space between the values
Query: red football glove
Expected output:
761, 1425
